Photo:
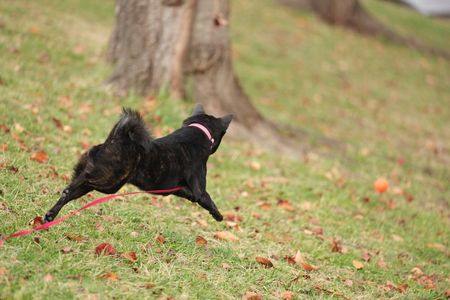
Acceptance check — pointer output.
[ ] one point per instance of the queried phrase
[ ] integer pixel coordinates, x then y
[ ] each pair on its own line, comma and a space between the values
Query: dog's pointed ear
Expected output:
198, 110
226, 120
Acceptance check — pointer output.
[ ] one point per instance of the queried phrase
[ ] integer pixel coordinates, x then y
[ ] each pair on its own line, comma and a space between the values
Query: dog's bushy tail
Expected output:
131, 127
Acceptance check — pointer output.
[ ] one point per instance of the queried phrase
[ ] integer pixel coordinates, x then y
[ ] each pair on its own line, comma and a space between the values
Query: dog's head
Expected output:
216, 126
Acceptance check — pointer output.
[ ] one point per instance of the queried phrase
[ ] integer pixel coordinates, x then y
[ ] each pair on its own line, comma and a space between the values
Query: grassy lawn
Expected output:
388, 106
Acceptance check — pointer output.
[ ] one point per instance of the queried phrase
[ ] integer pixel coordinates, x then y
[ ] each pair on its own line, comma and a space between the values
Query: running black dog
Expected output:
130, 155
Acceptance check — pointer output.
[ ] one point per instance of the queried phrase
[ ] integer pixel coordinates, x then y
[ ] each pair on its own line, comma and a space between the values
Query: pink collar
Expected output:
205, 131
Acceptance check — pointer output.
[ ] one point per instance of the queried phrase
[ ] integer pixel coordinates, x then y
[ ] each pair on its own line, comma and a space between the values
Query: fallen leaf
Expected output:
48, 278
285, 204
134, 234
397, 238
160, 238
232, 217
3, 271
130, 255
348, 282
66, 249
57, 123
149, 285
298, 258
265, 206
40, 157
366, 256
226, 236
106, 249
75, 237
336, 246
36, 222
251, 296
287, 295
3, 147
436, 246
381, 263
357, 264
201, 241
109, 276
256, 166
264, 261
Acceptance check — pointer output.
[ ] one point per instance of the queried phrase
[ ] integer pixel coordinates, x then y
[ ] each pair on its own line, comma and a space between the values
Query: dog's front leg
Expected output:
70, 193
207, 203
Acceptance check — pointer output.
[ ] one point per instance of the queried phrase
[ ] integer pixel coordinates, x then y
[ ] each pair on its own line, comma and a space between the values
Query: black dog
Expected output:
130, 155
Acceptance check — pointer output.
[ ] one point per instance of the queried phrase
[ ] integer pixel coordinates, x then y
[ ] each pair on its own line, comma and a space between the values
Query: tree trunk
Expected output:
158, 43
351, 14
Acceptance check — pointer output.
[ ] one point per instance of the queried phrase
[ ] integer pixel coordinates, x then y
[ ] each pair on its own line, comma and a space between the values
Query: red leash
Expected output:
90, 204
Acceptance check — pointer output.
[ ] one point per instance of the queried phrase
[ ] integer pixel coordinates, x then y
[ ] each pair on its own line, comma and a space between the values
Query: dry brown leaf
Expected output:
436, 246
256, 166
36, 222
232, 217
160, 238
264, 261
40, 157
226, 236
285, 204
298, 258
109, 276
3, 271
397, 238
381, 263
48, 278
357, 264
251, 296
3, 147
106, 249
265, 206
130, 255
149, 285
336, 246
66, 249
287, 295
366, 256
75, 237
201, 241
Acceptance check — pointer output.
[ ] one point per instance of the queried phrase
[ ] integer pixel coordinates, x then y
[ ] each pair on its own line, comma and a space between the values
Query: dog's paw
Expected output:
48, 218
217, 216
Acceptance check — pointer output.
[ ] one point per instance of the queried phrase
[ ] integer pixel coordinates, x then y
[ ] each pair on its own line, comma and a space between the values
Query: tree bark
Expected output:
351, 14
158, 43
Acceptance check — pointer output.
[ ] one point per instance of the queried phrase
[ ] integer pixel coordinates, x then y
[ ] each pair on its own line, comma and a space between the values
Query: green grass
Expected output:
384, 102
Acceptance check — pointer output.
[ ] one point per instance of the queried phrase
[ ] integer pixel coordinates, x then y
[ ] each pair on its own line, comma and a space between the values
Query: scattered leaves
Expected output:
109, 276
66, 250
75, 237
106, 249
252, 296
201, 241
130, 255
40, 157
299, 259
357, 264
160, 238
264, 261
225, 236
336, 246
366, 256
36, 222
287, 295
285, 204
48, 278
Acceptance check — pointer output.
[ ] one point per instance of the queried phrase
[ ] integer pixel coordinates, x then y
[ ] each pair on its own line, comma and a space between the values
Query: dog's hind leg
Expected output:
76, 189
